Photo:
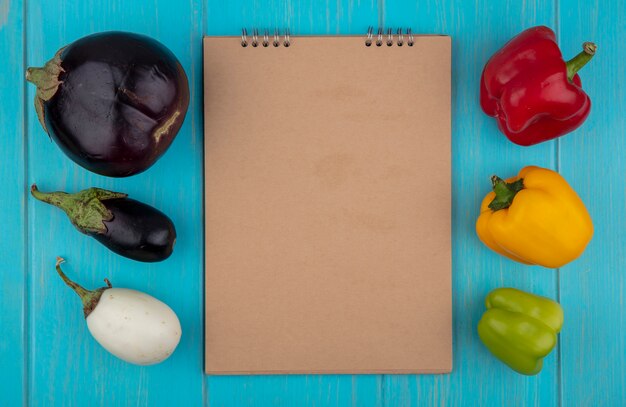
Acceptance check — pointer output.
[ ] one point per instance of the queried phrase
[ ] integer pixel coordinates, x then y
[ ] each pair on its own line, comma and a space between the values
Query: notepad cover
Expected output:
327, 207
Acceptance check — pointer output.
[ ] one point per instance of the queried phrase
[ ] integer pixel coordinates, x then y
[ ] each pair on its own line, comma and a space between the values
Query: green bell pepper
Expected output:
520, 328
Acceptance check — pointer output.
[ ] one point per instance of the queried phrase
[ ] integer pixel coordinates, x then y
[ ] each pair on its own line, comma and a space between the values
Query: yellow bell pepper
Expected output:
535, 218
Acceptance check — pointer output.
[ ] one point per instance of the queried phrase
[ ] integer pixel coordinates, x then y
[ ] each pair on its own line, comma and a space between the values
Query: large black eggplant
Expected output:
127, 227
112, 101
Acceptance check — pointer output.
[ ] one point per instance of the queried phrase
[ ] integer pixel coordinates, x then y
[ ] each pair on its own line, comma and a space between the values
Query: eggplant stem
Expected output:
47, 81
89, 298
86, 209
61, 200
78, 289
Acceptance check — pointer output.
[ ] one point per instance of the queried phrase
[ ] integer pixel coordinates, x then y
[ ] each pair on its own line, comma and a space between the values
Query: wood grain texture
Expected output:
593, 351
13, 258
479, 150
67, 366
46, 352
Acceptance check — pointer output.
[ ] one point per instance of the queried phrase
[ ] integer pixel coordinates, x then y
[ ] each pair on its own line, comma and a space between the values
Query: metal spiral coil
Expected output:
383, 36
266, 38
256, 39
370, 35
287, 41
379, 38
244, 37
387, 37
276, 41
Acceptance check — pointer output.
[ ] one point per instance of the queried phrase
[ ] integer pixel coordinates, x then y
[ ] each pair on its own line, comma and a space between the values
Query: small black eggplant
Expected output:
127, 227
113, 101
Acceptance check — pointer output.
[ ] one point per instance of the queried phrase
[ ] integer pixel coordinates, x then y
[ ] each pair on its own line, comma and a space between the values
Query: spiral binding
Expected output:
265, 38
387, 37
382, 37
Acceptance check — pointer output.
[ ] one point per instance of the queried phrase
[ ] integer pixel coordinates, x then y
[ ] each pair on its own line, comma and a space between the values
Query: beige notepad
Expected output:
327, 206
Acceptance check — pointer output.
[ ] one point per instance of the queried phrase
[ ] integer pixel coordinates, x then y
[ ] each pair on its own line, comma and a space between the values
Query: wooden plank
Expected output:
13, 241
301, 17
593, 341
479, 150
67, 366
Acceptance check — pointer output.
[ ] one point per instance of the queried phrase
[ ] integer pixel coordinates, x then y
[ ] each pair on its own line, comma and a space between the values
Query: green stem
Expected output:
46, 78
580, 60
47, 81
61, 200
89, 298
38, 77
86, 209
505, 192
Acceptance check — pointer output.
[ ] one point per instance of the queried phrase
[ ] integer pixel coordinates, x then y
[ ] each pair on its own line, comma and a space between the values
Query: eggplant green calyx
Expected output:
505, 192
85, 209
47, 81
90, 298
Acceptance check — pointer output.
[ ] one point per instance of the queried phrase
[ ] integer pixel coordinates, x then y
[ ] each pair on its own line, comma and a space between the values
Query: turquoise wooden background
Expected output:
47, 356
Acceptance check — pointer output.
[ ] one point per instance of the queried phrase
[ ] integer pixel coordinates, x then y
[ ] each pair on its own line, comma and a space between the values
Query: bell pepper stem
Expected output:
580, 60
505, 192
89, 298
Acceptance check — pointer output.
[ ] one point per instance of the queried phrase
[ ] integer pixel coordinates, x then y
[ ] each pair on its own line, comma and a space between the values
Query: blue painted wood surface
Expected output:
47, 356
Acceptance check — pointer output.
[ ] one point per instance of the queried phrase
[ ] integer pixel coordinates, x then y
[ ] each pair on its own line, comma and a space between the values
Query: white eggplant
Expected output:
132, 325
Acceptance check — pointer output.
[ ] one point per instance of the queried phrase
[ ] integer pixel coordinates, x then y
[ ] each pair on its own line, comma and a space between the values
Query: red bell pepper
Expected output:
531, 91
